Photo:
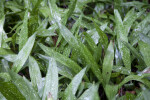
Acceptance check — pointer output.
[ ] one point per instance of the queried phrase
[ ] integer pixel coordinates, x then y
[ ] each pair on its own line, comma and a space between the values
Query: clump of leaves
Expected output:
74, 49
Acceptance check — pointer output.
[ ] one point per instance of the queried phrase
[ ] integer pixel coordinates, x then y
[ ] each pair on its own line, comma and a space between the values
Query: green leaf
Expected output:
4, 52
54, 11
95, 50
111, 91
133, 51
27, 4
5, 76
10, 91
1, 21
70, 11
62, 69
24, 87
51, 82
3, 35
76, 25
90, 41
81, 50
108, 64
73, 86
130, 17
90, 94
12, 5
34, 2
144, 95
5, 65
118, 59
139, 28
10, 57
45, 11
65, 31
103, 36
121, 70
144, 38
98, 53
67, 51
61, 58
2, 8
23, 54
130, 96
23, 35
117, 5
35, 74
137, 4
145, 51
121, 36
67, 35
136, 78
43, 32
65, 71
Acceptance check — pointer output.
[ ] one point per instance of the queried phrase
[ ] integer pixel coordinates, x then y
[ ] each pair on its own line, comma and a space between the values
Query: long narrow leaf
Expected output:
80, 49
108, 63
1, 21
23, 35
130, 18
54, 11
136, 78
145, 51
103, 37
69, 13
3, 35
4, 52
62, 69
90, 94
144, 38
25, 88
10, 91
61, 58
35, 74
23, 54
73, 86
133, 50
125, 53
111, 91
51, 82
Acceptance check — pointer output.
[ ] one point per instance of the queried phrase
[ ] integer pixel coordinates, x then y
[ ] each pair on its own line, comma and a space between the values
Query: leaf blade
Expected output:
35, 74
23, 35
51, 82
108, 63
73, 86
24, 53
